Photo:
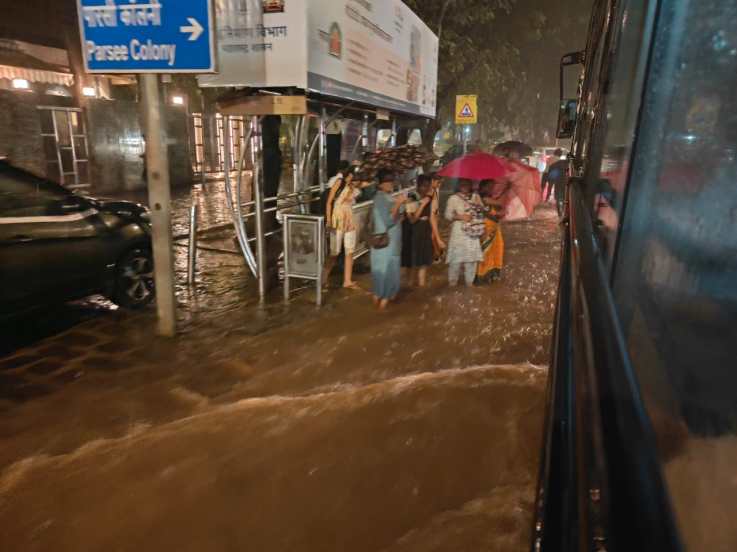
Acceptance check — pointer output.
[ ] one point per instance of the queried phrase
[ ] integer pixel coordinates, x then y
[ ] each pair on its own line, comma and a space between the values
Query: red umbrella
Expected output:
475, 166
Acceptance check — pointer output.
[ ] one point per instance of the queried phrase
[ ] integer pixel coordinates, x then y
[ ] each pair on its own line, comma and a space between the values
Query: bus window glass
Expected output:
622, 107
676, 274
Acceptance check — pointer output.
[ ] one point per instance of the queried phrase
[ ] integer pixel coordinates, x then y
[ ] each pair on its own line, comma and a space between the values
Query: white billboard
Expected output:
260, 43
374, 51
377, 52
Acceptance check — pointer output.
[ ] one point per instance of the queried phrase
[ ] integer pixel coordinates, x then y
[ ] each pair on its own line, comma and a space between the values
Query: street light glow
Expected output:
177, 100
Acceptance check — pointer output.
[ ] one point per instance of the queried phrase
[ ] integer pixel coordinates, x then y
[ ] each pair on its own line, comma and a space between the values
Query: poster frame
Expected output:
318, 238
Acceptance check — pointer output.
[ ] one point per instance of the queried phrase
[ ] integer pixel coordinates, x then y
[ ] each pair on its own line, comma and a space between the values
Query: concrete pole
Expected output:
159, 199
393, 140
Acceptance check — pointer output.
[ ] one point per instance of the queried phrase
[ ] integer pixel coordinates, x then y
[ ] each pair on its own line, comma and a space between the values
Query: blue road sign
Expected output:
147, 36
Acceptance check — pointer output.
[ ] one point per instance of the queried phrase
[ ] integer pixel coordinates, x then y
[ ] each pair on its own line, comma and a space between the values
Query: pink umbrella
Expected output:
525, 182
475, 166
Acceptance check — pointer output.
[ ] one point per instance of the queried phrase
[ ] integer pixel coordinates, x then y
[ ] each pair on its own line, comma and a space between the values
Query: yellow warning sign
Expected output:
466, 110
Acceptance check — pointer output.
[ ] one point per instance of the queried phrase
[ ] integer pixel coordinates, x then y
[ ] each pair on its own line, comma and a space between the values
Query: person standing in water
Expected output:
464, 248
413, 201
555, 178
339, 217
438, 245
386, 250
492, 241
422, 230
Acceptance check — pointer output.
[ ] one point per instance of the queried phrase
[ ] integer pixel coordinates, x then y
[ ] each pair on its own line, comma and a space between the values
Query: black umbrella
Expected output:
401, 158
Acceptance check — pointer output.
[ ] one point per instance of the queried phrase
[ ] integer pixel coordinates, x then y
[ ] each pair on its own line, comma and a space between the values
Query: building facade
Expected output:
80, 130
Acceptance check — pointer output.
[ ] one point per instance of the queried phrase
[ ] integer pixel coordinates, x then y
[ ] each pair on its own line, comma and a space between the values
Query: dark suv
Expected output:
57, 246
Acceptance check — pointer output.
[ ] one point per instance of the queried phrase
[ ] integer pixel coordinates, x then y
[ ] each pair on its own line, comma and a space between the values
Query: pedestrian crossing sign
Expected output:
466, 110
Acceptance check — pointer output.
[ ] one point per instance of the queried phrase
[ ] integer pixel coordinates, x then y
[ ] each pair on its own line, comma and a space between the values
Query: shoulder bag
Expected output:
376, 241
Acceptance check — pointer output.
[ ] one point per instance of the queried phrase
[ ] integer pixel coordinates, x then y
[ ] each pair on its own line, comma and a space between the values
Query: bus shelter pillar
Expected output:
393, 140
365, 133
258, 194
203, 159
297, 155
322, 155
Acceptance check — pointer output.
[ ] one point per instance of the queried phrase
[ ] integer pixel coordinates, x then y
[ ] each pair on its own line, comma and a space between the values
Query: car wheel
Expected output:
134, 279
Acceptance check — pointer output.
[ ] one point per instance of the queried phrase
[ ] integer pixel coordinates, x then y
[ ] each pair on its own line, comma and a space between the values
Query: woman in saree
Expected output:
492, 241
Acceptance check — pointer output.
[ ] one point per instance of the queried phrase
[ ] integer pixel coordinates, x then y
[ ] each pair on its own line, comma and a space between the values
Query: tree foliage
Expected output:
507, 52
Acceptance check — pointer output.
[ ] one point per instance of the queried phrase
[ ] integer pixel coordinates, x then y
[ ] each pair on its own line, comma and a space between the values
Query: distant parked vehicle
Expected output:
57, 246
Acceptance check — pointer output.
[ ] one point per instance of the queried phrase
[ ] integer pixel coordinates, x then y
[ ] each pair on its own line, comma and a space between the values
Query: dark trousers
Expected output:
547, 188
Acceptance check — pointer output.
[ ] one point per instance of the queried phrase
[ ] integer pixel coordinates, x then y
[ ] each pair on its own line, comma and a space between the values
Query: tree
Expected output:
507, 52
467, 61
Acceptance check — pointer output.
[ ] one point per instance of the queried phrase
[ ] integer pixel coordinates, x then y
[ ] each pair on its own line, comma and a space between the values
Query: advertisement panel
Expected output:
377, 52
260, 43
303, 252
374, 51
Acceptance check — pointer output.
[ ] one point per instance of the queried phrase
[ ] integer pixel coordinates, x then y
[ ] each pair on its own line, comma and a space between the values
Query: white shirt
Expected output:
333, 180
461, 247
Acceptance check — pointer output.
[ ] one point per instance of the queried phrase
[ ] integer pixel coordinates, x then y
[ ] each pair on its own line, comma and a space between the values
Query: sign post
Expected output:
151, 37
466, 114
154, 36
159, 200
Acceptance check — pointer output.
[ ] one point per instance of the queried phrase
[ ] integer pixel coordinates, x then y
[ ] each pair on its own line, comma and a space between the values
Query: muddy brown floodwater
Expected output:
288, 428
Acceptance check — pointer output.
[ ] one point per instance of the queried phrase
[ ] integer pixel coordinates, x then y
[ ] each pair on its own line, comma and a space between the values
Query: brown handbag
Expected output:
376, 241
379, 241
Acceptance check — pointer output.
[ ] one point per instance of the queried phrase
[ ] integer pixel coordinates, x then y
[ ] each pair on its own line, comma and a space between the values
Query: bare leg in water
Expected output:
422, 276
348, 271
380, 303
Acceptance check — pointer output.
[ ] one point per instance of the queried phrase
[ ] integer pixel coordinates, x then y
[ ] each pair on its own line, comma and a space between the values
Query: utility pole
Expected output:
159, 199
195, 53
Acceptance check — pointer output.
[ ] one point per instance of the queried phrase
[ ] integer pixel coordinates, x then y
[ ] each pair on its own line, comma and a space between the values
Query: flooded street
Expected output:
229, 173
286, 427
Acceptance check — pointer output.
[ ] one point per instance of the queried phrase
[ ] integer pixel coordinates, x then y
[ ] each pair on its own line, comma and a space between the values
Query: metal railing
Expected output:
601, 485
257, 208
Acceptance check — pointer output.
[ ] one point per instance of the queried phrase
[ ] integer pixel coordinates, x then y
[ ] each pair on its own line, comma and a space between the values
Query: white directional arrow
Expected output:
194, 28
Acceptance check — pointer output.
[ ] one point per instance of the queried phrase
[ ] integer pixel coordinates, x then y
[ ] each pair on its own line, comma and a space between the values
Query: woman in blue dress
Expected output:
386, 262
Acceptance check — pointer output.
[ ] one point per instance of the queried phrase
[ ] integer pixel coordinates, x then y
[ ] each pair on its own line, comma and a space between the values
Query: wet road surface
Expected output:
286, 428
